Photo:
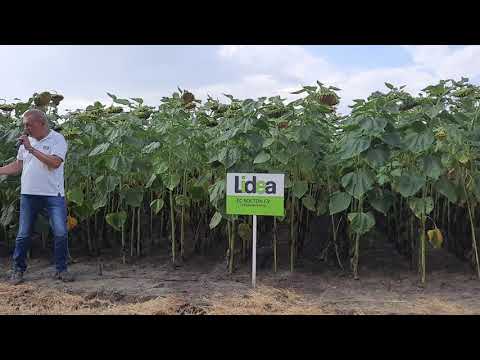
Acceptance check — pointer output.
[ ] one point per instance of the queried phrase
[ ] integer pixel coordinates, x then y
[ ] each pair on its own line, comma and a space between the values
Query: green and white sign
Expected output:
255, 194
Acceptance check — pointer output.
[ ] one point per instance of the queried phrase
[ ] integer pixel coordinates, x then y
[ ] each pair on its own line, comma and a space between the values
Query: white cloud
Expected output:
362, 84
270, 71
278, 70
447, 62
250, 86
83, 75
285, 62
428, 55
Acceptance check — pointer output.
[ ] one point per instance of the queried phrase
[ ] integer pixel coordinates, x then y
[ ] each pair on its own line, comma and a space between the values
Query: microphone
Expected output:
19, 142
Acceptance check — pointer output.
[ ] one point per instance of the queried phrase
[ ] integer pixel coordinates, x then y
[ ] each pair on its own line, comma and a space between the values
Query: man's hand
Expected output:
26, 142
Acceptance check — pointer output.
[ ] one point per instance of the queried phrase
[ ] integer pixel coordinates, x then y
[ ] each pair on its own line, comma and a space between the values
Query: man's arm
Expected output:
13, 168
52, 161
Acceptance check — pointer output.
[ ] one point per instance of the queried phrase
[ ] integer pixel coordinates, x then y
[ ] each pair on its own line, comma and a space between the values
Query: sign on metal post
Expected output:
255, 194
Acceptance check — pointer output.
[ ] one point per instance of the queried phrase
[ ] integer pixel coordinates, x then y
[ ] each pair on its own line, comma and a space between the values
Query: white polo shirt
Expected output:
37, 177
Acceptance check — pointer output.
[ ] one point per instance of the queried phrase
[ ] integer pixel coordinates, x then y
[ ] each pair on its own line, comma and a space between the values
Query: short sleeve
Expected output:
20, 153
60, 148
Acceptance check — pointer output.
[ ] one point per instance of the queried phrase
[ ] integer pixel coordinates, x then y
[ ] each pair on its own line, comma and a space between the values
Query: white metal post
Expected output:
254, 250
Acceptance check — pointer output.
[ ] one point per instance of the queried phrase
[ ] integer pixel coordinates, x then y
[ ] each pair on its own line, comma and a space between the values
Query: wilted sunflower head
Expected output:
7, 107
187, 97
56, 99
42, 99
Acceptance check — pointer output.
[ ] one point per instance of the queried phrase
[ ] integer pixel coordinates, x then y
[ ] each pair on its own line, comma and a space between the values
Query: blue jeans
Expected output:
30, 206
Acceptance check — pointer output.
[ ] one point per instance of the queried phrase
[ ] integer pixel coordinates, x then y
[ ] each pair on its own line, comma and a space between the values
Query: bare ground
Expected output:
201, 286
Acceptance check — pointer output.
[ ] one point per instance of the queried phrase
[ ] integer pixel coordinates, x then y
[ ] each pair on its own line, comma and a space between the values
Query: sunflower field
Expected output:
141, 178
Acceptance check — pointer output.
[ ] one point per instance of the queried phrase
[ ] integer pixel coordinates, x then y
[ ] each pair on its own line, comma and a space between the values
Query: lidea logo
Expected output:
254, 187
255, 194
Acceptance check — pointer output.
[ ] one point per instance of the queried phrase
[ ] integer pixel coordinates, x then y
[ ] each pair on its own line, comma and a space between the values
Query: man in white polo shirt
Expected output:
40, 159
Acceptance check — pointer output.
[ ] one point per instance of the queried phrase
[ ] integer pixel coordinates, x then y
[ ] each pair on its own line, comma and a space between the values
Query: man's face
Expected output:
33, 126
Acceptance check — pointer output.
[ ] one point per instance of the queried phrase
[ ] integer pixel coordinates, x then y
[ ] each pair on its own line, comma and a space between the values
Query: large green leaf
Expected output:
227, 135
377, 157
197, 193
354, 146
150, 181
381, 201
100, 179
124, 164
112, 163
306, 162
373, 124
157, 205
84, 211
419, 141
216, 219
160, 166
309, 202
100, 149
255, 141
294, 149
231, 158
116, 135
107, 184
261, 158
182, 200
112, 182
409, 184
171, 181
20, 108
151, 147
432, 167
133, 197
434, 110
217, 191
361, 223
100, 201
447, 189
268, 142
421, 207
122, 101
282, 156
358, 183
339, 201
138, 100
304, 133
392, 138
300, 188
435, 90
116, 220
461, 118
114, 97
75, 195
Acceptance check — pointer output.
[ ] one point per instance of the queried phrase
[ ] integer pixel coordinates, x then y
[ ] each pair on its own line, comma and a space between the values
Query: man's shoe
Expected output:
64, 276
16, 278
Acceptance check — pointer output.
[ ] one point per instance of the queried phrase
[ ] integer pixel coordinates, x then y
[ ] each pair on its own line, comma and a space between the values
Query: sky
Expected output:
84, 74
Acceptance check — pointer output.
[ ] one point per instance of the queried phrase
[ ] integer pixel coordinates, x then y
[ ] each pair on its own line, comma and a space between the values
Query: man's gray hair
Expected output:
37, 115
